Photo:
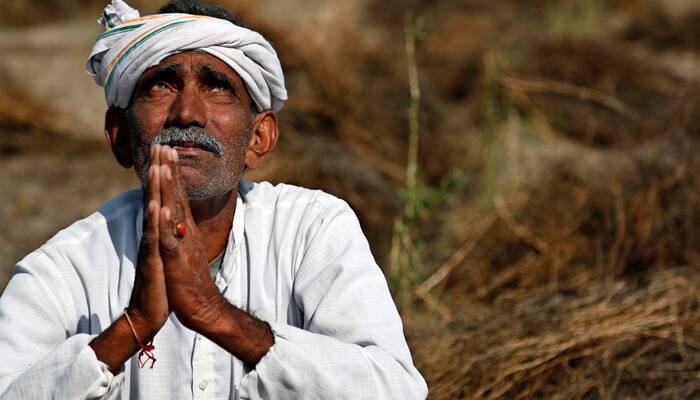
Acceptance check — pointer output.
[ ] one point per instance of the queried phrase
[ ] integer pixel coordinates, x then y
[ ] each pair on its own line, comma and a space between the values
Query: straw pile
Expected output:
556, 244
617, 340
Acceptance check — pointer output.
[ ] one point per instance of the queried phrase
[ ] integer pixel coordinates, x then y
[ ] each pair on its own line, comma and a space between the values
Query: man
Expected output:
200, 285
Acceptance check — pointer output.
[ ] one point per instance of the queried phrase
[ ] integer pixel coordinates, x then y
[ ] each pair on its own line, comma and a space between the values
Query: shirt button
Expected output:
203, 384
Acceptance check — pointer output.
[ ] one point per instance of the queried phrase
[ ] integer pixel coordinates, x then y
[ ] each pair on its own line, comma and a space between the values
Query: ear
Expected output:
118, 136
263, 139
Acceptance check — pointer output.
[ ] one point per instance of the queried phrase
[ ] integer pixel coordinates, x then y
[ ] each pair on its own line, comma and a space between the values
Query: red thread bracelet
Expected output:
146, 349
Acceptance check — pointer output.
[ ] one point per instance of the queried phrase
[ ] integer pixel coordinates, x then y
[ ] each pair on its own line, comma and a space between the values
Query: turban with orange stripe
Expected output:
132, 44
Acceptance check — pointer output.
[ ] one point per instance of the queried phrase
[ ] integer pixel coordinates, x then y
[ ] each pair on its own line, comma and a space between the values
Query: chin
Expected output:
210, 191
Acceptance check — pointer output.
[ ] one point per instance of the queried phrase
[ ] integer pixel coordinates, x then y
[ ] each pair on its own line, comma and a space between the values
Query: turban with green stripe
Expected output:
131, 45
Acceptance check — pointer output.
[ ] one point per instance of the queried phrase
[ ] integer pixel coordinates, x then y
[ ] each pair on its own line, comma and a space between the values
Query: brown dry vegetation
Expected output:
561, 259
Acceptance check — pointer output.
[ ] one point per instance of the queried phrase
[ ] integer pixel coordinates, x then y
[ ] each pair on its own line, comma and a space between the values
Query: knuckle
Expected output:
169, 248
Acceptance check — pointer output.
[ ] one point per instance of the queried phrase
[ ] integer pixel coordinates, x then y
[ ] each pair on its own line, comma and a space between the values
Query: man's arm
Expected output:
41, 355
192, 295
148, 306
352, 343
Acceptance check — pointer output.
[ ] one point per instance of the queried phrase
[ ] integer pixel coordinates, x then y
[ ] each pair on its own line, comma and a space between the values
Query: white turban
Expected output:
130, 45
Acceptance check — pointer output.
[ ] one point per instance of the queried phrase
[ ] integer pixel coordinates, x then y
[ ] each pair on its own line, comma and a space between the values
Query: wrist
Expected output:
239, 333
145, 328
115, 345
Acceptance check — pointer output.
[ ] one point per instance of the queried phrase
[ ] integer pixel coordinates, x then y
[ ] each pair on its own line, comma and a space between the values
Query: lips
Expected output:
184, 145
187, 148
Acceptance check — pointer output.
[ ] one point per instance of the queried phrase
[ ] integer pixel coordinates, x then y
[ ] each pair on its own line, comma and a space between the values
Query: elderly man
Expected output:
200, 285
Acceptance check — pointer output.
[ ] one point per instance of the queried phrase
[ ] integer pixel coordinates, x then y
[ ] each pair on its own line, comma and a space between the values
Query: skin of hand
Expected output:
191, 293
148, 306
173, 276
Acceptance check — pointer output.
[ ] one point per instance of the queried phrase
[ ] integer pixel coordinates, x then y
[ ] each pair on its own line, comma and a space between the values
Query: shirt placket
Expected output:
203, 371
203, 374
232, 272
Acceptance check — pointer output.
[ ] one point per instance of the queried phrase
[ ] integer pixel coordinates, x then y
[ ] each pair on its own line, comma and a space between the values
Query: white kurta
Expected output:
295, 258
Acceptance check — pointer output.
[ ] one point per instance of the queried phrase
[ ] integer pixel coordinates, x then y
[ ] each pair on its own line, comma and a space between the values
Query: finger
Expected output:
167, 184
168, 241
154, 163
151, 205
153, 191
155, 154
149, 253
149, 244
181, 197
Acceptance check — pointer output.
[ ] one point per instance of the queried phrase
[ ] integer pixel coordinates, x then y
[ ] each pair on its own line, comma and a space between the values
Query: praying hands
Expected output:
173, 276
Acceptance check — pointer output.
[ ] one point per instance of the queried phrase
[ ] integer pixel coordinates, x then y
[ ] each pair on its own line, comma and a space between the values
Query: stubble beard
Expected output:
220, 178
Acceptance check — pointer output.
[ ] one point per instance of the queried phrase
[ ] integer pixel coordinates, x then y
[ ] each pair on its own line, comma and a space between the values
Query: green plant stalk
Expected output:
401, 252
413, 113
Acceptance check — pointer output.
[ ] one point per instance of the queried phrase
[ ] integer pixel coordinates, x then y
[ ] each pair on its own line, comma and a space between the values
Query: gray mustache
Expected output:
192, 134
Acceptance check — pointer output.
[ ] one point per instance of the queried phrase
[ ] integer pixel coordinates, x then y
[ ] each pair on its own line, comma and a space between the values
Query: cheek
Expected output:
226, 117
149, 119
232, 127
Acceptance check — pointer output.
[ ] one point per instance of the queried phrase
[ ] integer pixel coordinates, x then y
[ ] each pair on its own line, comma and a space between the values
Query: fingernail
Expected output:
151, 207
175, 157
166, 212
151, 171
168, 173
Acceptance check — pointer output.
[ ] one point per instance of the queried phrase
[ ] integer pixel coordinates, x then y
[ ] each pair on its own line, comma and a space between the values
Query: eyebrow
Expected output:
175, 67
161, 72
208, 73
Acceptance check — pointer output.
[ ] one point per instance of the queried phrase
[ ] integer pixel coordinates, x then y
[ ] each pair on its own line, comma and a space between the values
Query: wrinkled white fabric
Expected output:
132, 45
295, 258
116, 13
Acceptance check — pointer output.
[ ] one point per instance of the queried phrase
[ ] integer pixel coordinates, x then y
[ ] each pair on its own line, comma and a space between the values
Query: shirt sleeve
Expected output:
352, 343
42, 357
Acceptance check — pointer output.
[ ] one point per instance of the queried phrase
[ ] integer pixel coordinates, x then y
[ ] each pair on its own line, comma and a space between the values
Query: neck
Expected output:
214, 217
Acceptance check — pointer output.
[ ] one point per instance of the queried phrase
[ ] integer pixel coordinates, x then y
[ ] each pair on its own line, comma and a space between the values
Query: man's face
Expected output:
197, 104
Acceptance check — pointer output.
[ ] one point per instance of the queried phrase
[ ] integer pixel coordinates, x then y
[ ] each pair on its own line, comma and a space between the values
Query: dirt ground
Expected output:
551, 247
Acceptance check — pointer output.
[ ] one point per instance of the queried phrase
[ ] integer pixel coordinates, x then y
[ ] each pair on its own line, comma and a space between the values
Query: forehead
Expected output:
192, 62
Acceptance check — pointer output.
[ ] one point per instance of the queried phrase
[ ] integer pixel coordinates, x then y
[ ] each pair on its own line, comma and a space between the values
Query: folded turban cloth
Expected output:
130, 45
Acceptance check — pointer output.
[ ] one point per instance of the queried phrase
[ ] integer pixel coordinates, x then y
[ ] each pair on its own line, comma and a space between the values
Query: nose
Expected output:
188, 109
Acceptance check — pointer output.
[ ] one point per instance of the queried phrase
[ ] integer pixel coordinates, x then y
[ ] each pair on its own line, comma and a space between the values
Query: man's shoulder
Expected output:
95, 239
117, 214
272, 198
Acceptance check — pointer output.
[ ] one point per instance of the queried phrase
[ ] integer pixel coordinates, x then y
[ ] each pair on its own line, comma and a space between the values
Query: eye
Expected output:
220, 86
217, 83
157, 88
159, 85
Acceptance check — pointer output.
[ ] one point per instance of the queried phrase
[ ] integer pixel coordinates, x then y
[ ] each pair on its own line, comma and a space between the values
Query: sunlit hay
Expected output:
593, 93
568, 259
29, 124
666, 32
597, 341
548, 232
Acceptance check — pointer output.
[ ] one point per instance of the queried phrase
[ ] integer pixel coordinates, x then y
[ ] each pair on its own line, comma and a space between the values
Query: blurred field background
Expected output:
547, 244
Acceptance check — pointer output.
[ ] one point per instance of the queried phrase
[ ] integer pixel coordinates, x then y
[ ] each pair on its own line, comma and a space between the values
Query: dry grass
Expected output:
616, 340
566, 264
